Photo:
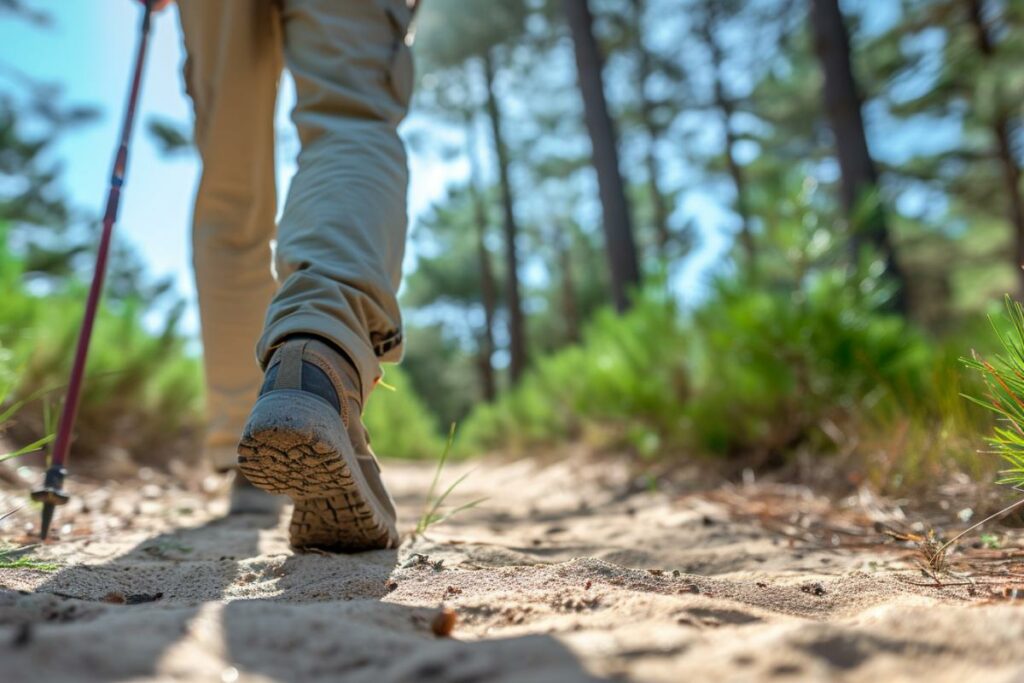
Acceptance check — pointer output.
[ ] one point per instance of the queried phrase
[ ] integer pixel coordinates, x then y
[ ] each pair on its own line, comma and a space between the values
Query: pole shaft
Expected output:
62, 443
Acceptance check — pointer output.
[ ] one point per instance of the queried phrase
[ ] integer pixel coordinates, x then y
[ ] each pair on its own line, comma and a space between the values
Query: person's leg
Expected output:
339, 257
342, 234
234, 63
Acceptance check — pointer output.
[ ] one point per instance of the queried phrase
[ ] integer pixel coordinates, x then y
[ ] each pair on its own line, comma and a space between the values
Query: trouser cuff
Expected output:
358, 349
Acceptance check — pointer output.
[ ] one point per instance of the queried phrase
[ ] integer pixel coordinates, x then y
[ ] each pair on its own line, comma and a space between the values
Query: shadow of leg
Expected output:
332, 619
124, 618
230, 600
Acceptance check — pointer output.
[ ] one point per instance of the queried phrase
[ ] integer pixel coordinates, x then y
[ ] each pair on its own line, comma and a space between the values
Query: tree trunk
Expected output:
859, 177
658, 203
517, 324
488, 385
739, 183
563, 243
618, 229
1002, 132
726, 107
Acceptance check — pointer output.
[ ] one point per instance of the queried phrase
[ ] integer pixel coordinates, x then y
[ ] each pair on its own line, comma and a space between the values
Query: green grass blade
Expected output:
24, 450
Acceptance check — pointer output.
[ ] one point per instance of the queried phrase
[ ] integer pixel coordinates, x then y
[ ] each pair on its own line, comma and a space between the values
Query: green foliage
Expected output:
1004, 394
990, 541
444, 375
775, 365
752, 374
400, 425
626, 381
142, 389
9, 408
477, 31
13, 557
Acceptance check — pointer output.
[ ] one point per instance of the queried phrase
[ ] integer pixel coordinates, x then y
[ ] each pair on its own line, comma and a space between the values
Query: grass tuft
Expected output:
1003, 376
432, 513
13, 557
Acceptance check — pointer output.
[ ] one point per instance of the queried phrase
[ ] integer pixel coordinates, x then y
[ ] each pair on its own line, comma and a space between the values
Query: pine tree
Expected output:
622, 257
480, 40
859, 187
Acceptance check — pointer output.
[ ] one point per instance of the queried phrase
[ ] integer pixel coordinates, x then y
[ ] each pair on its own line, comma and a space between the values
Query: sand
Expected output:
571, 571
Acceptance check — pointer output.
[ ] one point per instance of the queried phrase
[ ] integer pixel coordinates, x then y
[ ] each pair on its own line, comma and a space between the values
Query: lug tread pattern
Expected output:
331, 513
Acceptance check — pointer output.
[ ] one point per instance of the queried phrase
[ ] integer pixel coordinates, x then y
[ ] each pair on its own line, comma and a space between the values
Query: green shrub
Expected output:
9, 409
773, 366
753, 373
142, 391
400, 425
1003, 394
626, 383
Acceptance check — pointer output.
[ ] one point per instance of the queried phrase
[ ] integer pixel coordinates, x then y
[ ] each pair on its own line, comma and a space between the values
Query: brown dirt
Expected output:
567, 573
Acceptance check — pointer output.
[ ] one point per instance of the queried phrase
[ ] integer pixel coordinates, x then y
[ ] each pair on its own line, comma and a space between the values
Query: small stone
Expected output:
813, 589
115, 598
443, 622
140, 598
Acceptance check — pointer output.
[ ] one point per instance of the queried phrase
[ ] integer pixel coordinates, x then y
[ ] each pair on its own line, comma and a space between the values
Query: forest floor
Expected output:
571, 571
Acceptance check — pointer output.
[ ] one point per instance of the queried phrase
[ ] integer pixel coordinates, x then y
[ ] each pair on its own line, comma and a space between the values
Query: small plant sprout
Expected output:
7, 384
990, 541
13, 557
1004, 395
432, 513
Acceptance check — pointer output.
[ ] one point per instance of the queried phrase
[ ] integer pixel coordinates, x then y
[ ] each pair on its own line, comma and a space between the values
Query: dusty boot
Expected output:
305, 439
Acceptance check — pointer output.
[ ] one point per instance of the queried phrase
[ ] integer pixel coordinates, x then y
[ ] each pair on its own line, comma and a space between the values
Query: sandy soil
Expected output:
569, 572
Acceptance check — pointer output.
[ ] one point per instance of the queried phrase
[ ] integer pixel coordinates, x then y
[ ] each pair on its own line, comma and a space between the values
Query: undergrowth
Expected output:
9, 408
752, 377
143, 388
399, 423
1003, 376
12, 557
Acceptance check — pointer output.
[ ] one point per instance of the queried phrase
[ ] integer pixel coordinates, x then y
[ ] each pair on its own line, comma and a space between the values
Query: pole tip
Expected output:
51, 495
44, 529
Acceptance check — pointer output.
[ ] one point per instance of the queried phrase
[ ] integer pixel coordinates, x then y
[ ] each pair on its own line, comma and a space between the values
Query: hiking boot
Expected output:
305, 439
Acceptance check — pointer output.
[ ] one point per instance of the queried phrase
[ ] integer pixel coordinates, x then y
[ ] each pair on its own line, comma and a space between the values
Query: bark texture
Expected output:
618, 228
517, 322
859, 175
1002, 133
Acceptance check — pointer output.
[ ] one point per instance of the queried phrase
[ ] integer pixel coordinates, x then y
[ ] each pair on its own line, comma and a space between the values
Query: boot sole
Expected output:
295, 444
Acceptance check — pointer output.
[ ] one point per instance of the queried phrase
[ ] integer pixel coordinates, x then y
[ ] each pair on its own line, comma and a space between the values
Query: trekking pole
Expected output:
52, 493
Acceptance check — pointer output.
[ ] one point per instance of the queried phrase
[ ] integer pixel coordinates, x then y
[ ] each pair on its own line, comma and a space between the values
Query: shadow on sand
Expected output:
229, 600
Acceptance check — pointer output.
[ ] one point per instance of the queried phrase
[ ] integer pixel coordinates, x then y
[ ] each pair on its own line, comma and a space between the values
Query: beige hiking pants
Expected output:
342, 233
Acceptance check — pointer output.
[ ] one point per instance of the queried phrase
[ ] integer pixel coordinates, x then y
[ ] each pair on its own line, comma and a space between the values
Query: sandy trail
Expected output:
568, 573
